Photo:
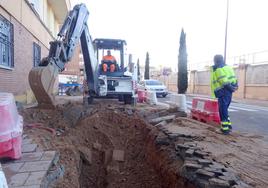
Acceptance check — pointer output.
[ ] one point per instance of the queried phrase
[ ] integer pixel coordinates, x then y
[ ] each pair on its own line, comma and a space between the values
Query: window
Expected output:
6, 43
36, 54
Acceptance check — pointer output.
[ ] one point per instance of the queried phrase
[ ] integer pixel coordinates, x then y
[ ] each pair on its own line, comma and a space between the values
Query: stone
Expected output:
18, 179
161, 124
48, 156
178, 147
200, 154
192, 166
163, 118
173, 136
219, 183
218, 172
35, 166
97, 146
162, 141
189, 152
205, 162
118, 155
27, 148
204, 173
36, 178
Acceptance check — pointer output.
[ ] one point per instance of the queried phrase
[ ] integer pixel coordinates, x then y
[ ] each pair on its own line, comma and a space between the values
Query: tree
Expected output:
182, 83
138, 67
147, 67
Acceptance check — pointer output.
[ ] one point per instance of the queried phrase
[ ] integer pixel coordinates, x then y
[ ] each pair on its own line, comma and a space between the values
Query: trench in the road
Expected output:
143, 163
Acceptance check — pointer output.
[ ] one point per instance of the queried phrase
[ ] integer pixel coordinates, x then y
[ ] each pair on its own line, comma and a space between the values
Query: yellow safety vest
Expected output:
220, 77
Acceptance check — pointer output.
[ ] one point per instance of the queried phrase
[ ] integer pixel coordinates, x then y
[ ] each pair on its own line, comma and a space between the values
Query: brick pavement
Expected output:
31, 170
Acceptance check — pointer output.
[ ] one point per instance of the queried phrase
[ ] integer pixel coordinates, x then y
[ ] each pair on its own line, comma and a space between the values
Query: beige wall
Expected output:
252, 80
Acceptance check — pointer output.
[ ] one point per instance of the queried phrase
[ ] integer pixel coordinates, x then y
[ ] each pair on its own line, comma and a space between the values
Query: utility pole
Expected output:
226, 31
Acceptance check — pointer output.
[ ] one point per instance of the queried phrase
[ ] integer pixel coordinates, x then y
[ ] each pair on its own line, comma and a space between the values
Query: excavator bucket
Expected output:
42, 80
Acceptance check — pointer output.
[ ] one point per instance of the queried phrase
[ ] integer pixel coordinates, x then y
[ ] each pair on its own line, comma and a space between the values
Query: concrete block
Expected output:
204, 162
48, 156
36, 178
18, 179
192, 166
189, 152
27, 148
118, 155
35, 166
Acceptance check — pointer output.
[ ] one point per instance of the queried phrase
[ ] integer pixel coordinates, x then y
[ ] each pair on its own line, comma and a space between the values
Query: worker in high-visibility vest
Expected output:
223, 84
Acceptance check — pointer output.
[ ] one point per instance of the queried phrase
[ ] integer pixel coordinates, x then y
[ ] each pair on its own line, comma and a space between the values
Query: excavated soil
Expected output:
109, 146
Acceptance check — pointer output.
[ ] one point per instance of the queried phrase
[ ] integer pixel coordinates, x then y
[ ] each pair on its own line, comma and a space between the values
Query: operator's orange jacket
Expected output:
109, 58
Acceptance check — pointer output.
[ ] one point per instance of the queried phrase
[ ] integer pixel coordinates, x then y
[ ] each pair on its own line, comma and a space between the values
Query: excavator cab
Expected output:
109, 67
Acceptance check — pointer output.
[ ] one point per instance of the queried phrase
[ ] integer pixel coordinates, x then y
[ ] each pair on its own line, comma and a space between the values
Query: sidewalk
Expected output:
235, 100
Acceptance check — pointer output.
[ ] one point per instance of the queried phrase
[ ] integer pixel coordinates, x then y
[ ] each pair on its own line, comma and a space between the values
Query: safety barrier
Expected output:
11, 126
205, 110
180, 101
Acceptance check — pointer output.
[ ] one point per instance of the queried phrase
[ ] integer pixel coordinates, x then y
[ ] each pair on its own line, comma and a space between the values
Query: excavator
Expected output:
42, 78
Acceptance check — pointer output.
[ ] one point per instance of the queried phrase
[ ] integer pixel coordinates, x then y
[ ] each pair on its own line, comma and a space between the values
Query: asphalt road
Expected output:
245, 117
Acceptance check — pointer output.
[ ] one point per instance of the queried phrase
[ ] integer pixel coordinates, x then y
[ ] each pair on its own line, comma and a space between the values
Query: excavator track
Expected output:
42, 80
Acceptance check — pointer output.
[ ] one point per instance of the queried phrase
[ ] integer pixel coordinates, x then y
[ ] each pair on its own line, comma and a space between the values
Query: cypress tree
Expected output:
147, 67
182, 82
138, 67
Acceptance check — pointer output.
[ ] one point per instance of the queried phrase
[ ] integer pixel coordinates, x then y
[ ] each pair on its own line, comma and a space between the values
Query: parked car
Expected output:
155, 85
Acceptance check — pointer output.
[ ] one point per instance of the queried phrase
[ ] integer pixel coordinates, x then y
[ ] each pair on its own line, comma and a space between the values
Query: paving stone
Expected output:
48, 156
189, 152
205, 173
35, 166
181, 146
200, 153
192, 166
173, 136
218, 172
27, 148
11, 168
33, 156
36, 178
204, 161
219, 183
27, 141
18, 179
217, 166
118, 155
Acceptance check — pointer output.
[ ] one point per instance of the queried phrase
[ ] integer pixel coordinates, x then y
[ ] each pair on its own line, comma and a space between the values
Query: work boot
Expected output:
225, 132
225, 129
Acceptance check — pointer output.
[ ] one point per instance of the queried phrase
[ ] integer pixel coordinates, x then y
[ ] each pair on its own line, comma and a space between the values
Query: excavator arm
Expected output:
43, 77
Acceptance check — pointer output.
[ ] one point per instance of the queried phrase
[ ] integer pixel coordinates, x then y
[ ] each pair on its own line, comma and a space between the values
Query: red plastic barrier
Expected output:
141, 96
205, 110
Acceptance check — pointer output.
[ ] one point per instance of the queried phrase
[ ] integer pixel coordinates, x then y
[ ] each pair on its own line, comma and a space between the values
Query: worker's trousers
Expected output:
224, 103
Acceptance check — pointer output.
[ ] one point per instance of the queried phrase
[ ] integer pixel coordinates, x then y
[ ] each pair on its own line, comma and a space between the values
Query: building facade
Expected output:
26, 28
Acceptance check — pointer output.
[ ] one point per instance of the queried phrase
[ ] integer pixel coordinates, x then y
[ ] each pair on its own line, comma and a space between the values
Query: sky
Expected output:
154, 26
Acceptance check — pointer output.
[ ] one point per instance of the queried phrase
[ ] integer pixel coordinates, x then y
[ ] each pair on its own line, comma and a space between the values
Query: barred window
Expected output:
6, 43
36, 54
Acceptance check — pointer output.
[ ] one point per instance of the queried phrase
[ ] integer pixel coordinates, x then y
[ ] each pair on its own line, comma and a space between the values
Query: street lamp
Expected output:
226, 30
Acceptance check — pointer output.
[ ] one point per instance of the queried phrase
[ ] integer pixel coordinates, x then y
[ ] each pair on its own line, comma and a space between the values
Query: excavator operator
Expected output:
108, 62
